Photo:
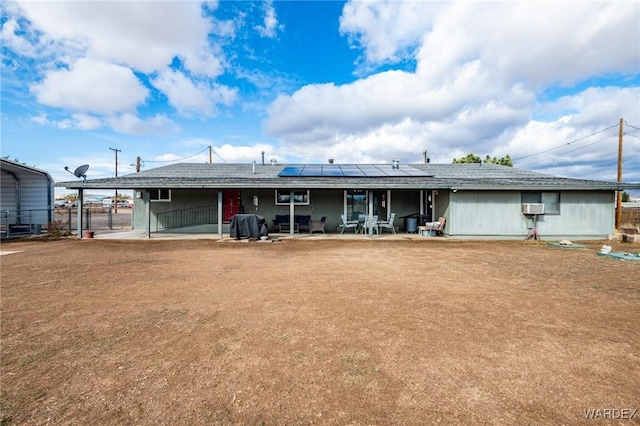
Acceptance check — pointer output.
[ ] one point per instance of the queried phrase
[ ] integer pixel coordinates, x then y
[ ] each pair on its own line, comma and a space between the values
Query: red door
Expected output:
230, 204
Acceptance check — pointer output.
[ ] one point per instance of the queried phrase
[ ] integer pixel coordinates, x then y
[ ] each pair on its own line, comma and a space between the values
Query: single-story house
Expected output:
26, 198
477, 200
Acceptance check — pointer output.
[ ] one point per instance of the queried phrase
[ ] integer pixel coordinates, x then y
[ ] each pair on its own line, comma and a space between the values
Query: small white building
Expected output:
26, 198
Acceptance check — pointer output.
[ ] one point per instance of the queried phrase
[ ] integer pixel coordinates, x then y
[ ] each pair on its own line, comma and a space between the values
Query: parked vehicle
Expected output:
61, 204
108, 202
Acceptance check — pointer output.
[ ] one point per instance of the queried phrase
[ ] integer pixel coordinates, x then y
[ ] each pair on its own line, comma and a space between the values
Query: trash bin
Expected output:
36, 229
412, 224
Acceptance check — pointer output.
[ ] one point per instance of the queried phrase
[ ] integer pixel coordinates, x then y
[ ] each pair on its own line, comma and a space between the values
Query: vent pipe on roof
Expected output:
254, 167
426, 158
262, 157
274, 161
330, 160
396, 163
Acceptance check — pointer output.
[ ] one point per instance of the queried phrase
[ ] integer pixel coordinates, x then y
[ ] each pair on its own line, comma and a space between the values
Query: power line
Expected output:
173, 161
567, 152
217, 155
565, 144
629, 125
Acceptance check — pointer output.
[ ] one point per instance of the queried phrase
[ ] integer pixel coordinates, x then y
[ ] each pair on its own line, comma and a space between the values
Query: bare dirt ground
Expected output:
317, 332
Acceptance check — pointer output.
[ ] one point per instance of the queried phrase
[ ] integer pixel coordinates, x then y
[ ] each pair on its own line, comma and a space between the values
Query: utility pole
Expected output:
210, 156
619, 194
115, 201
138, 164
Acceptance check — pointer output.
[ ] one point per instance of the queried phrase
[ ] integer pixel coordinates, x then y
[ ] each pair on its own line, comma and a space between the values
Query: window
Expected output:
551, 200
160, 194
283, 197
356, 204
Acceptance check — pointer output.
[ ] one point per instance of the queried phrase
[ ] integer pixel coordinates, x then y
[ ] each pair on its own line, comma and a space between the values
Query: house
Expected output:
26, 198
478, 200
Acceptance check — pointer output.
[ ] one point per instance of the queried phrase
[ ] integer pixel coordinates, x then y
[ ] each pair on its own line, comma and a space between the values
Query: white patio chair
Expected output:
374, 225
387, 224
348, 224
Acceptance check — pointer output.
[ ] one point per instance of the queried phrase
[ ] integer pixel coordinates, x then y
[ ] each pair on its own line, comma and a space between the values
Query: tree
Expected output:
625, 197
472, 158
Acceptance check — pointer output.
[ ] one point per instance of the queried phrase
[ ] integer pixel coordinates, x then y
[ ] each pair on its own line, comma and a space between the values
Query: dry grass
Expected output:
329, 332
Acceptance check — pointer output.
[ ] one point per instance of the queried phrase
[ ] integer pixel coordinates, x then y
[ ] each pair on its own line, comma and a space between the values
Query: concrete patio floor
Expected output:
209, 232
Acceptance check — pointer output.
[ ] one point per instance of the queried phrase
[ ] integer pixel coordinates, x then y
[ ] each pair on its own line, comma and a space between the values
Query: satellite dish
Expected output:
80, 172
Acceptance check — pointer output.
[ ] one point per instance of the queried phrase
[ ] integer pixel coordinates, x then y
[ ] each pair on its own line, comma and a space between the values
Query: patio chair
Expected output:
348, 224
318, 226
436, 227
374, 225
388, 224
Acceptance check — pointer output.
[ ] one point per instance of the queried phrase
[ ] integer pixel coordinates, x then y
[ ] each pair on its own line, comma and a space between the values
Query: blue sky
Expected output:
305, 81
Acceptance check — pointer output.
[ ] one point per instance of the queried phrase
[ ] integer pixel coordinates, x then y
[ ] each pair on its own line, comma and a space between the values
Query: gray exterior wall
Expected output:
180, 199
469, 214
323, 202
485, 214
26, 193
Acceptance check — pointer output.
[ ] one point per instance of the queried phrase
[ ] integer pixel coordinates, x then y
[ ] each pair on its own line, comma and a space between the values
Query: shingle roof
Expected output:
242, 176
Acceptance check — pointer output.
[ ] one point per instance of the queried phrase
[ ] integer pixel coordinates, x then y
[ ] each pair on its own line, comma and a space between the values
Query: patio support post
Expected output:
389, 210
219, 214
370, 198
421, 202
147, 210
292, 212
80, 203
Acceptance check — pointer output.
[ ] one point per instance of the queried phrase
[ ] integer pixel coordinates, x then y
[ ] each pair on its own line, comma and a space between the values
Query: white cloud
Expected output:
387, 31
77, 121
270, 21
189, 96
482, 70
539, 44
91, 86
145, 36
12, 41
132, 125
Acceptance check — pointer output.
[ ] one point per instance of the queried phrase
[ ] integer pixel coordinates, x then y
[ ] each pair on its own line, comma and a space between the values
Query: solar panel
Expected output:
388, 170
351, 170
311, 170
372, 171
332, 170
291, 171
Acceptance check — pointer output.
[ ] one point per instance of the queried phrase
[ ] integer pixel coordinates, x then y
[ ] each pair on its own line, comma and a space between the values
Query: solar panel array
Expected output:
352, 170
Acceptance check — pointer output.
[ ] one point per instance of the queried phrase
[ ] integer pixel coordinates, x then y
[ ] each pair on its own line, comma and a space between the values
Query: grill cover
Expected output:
247, 226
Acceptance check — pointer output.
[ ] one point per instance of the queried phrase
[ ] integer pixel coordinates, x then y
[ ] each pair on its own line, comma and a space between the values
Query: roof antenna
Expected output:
80, 172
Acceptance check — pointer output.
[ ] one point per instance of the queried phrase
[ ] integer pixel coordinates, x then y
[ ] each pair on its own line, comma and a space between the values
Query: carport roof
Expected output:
436, 176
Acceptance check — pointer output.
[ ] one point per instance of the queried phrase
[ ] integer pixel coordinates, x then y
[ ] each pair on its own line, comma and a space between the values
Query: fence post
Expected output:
7, 224
69, 221
110, 219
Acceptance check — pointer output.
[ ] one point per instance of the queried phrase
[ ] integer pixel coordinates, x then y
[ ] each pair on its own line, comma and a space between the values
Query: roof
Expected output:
472, 176
12, 166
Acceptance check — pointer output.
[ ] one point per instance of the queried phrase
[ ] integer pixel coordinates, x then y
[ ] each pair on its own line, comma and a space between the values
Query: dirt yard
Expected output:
191, 332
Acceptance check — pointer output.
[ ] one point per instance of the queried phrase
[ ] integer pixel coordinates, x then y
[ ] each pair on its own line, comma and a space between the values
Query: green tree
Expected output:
472, 158
625, 197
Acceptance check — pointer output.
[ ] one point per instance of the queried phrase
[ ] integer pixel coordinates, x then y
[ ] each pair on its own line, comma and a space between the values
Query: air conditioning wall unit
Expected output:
533, 208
